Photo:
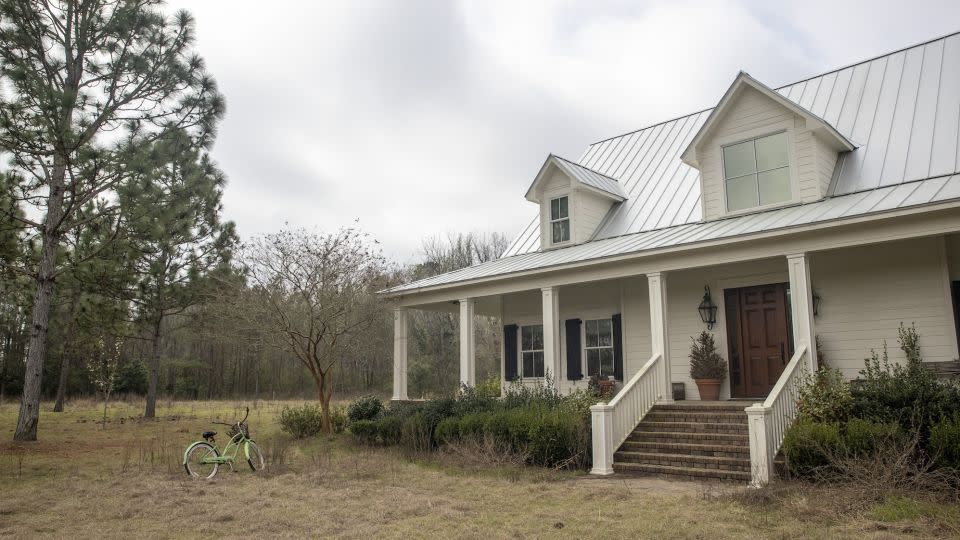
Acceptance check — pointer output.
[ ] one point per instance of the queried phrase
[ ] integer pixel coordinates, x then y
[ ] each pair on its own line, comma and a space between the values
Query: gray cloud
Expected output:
425, 117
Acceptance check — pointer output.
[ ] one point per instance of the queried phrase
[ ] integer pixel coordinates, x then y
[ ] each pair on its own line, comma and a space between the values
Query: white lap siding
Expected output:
868, 291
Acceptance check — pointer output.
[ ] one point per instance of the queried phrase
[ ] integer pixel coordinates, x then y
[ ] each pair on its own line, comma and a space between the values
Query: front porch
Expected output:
637, 328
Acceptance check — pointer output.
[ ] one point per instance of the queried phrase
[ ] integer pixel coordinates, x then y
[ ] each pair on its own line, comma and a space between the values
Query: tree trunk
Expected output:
65, 360
154, 372
324, 394
37, 351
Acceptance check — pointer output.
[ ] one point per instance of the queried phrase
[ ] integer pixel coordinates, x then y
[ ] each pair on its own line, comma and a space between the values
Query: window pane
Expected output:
565, 230
592, 338
738, 159
526, 338
775, 186
606, 362
537, 337
742, 192
772, 152
557, 235
555, 209
527, 365
593, 362
606, 332
537, 364
563, 207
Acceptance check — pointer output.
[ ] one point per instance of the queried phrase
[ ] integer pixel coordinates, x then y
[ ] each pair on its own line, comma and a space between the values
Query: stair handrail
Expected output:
612, 422
768, 421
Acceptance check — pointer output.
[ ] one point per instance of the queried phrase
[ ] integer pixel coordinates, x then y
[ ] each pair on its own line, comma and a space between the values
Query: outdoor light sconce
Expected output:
816, 303
707, 309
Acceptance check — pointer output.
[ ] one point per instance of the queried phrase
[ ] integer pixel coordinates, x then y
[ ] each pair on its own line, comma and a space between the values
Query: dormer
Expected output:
759, 150
573, 201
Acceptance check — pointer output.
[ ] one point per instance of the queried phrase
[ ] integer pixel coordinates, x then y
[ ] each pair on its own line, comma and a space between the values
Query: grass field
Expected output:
124, 479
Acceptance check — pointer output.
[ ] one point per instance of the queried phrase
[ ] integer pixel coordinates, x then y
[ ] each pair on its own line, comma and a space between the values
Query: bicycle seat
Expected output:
209, 434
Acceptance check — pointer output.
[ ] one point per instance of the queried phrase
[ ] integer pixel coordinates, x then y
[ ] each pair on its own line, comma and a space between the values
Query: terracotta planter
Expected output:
709, 389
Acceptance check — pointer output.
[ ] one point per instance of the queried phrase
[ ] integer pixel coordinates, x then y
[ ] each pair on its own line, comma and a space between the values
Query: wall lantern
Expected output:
707, 309
816, 303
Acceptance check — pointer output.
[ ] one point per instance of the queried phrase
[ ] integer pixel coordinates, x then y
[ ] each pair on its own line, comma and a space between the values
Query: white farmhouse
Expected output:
819, 214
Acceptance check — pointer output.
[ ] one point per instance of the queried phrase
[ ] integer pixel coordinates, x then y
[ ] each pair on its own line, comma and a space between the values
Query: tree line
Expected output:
118, 272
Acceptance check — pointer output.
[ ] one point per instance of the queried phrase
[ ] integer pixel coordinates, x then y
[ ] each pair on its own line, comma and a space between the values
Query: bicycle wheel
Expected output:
196, 461
255, 457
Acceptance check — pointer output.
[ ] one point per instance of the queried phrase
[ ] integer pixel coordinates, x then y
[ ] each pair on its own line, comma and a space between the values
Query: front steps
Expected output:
694, 440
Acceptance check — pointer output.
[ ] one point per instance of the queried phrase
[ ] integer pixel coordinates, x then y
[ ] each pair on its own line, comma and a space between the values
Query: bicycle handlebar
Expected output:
235, 423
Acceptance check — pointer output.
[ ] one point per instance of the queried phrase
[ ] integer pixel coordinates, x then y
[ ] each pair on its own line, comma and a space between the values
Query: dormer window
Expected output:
757, 172
559, 220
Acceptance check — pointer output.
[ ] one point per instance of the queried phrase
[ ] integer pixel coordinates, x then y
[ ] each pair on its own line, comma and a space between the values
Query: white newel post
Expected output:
659, 333
801, 302
551, 333
602, 426
400, 354
468, 352
760, 459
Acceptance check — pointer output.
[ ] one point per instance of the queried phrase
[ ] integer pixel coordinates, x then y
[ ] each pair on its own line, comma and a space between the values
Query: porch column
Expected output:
468, 352
400, 354
551, 333
659, 333
801, 305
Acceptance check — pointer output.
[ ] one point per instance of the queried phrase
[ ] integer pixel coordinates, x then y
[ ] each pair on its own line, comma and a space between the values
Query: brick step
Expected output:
705, 406
691, 473
692, 427
692, 449
697, 416
684, 460
689, 437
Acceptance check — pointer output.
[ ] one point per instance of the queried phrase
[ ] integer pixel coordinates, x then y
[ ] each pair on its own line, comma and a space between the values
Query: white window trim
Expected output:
551, 221
520, 352
791, 166
585, 348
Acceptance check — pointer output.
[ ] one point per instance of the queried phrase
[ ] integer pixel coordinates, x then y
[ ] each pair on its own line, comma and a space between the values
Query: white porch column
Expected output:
551, 333
400, 354
761, 462
468, 352
659, 333
801, 305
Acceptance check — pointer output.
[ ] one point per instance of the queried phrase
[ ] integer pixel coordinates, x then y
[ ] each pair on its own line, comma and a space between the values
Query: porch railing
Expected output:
614, 421
769, 421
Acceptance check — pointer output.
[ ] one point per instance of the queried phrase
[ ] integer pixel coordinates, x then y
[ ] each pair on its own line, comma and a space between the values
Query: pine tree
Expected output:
86, 84
172, 215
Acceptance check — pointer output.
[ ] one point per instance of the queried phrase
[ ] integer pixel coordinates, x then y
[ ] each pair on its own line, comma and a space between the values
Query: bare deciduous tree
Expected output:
316, 292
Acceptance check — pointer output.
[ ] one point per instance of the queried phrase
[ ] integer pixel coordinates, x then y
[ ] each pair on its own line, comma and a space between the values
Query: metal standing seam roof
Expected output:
902, 111
591, 177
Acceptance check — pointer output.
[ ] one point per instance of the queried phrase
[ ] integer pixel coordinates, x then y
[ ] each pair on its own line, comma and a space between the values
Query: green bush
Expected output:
365, 408
132, 379
338, 418
825, 396
390, 429
417, 433
812, 448
945, 442
301, 422
365, 431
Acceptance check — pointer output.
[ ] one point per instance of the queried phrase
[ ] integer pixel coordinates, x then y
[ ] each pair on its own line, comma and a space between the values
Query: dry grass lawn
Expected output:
125, 480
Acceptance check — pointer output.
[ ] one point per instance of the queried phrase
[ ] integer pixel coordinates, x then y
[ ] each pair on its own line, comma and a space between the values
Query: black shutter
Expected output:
617, 346
574, 363
510, 352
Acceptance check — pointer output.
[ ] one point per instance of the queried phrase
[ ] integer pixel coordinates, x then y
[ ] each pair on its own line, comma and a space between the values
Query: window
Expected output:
756, 172
559, 220
531, 351
599, 347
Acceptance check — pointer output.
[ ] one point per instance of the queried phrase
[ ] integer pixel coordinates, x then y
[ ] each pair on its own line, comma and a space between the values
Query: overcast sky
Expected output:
419, 118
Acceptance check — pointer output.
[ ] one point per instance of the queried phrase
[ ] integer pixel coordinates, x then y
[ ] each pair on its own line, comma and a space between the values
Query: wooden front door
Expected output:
758, 332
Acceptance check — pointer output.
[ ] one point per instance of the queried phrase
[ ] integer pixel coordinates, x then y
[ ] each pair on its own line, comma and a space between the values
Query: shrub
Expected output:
909, 394
416, 433
705, 361
819, 449
365, 408
131, 379
365, 431
945, 442
390, 429
301, 422
825, 396
338, 418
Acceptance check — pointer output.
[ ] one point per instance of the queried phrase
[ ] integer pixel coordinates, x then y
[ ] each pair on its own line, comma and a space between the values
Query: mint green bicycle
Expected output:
202, 459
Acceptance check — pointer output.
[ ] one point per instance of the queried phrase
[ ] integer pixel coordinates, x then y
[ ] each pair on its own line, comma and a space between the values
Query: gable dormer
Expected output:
573, 201
760, 150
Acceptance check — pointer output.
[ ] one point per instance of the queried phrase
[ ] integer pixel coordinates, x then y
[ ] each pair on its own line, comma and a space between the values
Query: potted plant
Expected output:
707, 367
